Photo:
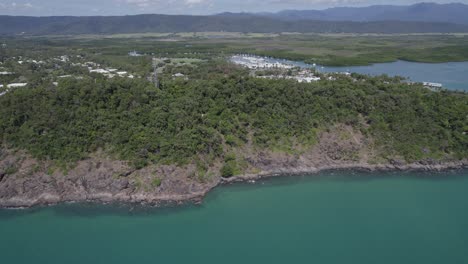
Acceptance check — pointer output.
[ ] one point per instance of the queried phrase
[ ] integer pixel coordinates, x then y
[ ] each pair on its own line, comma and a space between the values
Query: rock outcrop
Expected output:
26, 182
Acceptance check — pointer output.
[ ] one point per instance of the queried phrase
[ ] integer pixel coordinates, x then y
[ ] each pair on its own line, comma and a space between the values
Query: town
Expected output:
17, 71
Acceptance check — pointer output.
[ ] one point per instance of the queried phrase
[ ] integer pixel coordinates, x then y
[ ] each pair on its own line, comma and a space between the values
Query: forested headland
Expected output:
83, 120
220, 108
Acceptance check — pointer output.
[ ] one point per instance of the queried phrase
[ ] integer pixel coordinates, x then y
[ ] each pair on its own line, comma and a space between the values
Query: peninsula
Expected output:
87, 126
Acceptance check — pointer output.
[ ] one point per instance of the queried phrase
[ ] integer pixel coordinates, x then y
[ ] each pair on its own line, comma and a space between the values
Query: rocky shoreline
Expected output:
351, 167
27, 182
129, 195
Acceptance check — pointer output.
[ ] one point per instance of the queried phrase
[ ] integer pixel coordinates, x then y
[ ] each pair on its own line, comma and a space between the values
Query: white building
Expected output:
134, 54
102, 71
16, 85
258, 62
307, 79
178, 75
431, 84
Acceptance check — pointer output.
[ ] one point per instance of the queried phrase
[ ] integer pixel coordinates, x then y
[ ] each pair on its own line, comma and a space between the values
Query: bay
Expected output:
333, 217
452, 75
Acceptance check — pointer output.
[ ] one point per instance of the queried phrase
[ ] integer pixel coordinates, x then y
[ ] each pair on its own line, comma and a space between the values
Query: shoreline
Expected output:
155, 200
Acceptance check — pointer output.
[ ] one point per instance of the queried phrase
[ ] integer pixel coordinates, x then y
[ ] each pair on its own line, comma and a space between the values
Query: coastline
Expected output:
154, 199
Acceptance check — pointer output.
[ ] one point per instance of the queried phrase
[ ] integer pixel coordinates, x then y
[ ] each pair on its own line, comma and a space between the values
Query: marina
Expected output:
449, 75
284, 69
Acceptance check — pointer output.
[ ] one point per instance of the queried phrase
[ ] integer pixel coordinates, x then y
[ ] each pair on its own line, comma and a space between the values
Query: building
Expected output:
431, 84
178, 75
134, 54
102, 71
16, 85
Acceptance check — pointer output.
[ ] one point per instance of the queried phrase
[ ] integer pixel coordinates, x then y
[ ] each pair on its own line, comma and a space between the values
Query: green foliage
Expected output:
156, 182
50, 170
231, 166
228, 170
231, 140
220, 108
12, 169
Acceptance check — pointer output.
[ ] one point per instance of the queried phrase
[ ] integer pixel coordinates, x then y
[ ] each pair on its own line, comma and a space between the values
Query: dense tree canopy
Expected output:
219, 107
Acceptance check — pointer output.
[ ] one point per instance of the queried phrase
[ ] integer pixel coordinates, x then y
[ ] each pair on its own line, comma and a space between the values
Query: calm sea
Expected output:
340, 217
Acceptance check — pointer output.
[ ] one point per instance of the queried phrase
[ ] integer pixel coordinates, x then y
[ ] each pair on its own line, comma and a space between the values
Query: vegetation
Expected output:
346, 50
156, 182
217, 23
217, 109
328, 50
221, 104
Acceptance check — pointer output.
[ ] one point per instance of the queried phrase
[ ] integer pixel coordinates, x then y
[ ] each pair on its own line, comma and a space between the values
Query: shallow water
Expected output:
334, 217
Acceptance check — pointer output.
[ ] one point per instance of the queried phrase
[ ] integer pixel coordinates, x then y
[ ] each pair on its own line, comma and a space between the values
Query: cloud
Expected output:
11, 6
192, 2
319, 2
161, 3
140, 3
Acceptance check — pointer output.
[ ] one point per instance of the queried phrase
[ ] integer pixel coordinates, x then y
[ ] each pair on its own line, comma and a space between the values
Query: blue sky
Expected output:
129, 7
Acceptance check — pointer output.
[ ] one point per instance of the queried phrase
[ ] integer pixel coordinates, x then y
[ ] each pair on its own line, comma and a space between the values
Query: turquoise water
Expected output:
340, 217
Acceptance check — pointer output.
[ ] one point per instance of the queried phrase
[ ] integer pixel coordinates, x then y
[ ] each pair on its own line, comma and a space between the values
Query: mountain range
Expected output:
427, 12
419, 18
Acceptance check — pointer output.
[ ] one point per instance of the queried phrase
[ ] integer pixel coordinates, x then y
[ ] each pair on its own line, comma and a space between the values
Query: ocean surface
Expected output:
452, 75
333, 217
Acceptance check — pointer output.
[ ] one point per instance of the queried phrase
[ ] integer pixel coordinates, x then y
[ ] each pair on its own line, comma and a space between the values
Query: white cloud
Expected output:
193, 2
161, 3
319, 2
11, 6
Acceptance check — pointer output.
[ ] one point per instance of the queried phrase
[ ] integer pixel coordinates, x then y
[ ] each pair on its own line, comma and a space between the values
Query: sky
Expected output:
192, 7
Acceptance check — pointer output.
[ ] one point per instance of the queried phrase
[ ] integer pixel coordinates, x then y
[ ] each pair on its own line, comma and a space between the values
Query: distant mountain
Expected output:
14, 25
426, 12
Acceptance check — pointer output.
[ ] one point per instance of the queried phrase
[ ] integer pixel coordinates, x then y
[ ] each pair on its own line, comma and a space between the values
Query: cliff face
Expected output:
25, 181
95, 179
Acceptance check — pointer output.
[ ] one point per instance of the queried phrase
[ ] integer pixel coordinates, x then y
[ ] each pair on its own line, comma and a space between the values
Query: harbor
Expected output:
451, 75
